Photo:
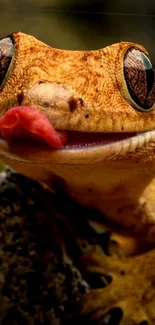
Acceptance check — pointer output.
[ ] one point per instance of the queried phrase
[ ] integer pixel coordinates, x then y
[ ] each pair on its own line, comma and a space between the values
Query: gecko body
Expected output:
104, 102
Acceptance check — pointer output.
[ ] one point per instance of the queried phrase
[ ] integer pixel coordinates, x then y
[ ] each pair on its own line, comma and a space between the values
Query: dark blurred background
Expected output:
82, 24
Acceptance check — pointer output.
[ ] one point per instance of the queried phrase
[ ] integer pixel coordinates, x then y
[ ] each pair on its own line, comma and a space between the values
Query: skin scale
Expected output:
85, 91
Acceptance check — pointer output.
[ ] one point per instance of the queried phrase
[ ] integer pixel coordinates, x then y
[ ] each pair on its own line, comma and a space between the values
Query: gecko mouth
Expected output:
27, 135
27, 124
86, 139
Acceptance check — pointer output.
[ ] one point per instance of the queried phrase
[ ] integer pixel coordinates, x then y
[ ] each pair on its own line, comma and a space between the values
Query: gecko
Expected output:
101, 106
85, 121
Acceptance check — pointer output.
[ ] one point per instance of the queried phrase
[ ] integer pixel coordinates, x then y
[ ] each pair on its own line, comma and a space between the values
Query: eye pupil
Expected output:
149, 73
140, 78
6, 54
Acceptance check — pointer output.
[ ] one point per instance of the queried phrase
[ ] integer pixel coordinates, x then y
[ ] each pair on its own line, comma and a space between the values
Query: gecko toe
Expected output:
128, 296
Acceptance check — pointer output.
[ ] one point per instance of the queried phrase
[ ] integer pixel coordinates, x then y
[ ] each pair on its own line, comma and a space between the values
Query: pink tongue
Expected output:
26, 121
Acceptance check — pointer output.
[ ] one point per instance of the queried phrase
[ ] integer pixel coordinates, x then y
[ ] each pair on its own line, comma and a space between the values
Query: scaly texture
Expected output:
87, 91
93, 79
130, 294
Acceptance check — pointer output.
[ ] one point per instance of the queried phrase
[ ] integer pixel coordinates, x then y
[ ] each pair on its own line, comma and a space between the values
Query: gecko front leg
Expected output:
129, 298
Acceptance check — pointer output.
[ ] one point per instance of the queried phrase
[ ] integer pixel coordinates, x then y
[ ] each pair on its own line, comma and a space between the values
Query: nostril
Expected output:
144, 322
73, 103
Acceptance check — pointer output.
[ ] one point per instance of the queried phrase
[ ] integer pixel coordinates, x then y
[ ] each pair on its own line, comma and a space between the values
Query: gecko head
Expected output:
74, 106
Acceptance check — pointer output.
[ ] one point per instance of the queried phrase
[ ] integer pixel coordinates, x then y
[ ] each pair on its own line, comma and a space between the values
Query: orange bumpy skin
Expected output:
93, 83
128, 296
87, 91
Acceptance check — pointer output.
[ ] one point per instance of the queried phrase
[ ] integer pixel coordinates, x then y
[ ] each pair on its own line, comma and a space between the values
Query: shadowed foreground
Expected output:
49, 272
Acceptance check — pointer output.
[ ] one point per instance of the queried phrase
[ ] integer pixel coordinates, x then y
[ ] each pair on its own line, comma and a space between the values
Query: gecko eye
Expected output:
140, 79
6, 54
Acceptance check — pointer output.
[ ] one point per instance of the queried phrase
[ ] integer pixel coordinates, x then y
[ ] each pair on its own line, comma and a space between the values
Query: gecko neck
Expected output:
121, 190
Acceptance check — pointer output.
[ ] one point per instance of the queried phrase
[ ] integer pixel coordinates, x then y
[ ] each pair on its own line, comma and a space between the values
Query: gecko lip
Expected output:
72, 153
75, 140
28, 123
44, 144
